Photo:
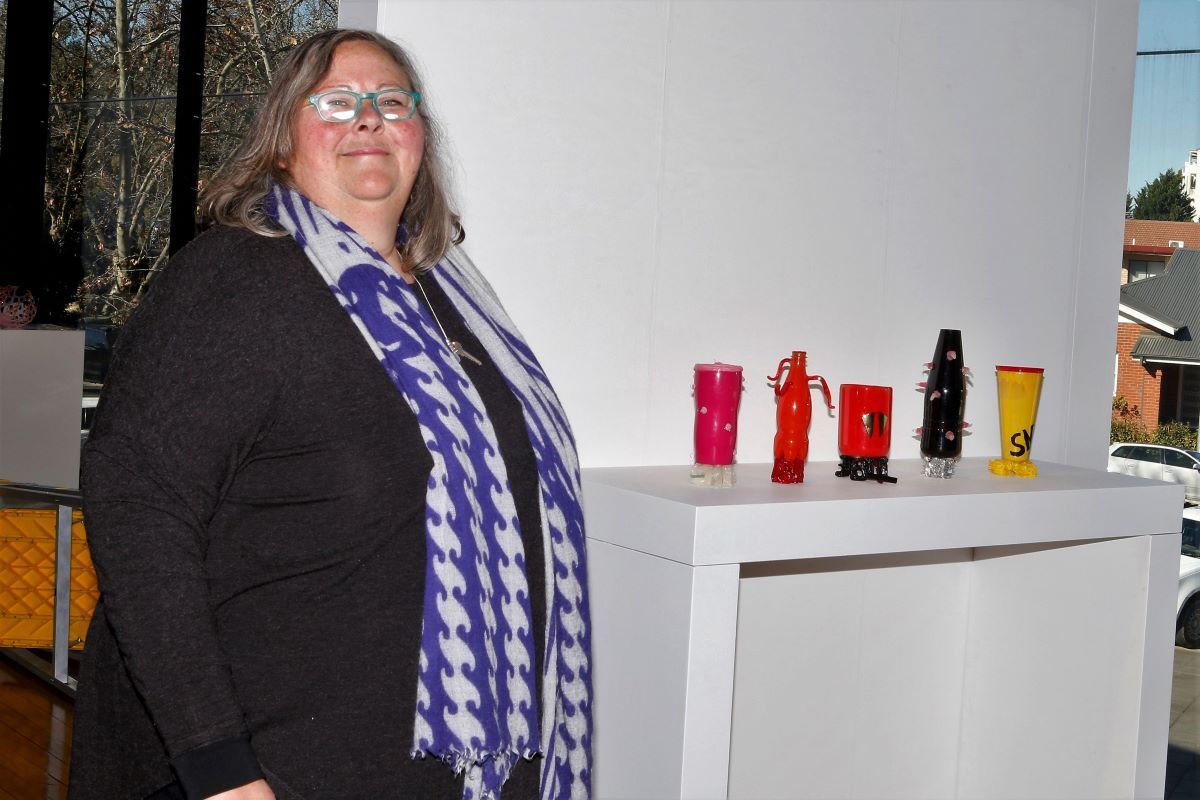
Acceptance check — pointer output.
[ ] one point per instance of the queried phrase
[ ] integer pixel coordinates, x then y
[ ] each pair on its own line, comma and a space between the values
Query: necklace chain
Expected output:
455, 347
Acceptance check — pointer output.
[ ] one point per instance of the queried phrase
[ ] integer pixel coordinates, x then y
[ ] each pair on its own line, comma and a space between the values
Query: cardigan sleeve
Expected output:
192, 387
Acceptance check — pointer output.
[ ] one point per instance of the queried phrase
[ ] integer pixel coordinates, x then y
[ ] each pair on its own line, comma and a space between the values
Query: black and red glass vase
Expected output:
945, 398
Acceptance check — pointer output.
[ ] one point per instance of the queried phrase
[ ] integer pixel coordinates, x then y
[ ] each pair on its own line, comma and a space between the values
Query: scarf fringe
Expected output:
461, 759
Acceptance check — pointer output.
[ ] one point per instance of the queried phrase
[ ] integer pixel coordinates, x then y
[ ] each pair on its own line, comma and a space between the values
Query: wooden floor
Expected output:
35, 737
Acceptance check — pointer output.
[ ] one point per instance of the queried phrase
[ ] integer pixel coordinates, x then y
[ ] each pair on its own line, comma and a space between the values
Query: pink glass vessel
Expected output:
717, 389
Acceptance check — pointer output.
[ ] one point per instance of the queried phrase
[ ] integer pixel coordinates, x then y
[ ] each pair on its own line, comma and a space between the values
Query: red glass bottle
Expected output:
793, 415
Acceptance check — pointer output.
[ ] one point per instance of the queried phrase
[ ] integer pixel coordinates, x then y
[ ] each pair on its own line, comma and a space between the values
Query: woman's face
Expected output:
367, 165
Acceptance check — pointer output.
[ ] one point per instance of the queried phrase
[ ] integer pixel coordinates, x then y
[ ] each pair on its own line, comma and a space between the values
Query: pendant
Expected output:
462, 353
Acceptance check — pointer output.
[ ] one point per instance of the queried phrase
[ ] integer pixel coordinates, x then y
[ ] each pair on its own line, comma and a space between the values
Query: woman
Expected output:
320, 578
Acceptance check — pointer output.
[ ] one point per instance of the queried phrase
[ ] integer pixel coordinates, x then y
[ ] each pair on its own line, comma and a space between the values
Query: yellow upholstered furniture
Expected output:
27, 579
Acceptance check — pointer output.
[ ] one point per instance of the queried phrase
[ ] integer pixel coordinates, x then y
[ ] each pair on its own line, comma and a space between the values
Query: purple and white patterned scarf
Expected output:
476, 708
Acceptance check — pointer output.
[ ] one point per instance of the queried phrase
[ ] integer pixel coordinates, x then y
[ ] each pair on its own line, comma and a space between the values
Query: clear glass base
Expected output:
939, 467
720, 476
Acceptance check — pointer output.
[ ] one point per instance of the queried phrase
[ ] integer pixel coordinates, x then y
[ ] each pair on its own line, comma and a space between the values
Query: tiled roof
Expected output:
1173, 296
1157, 233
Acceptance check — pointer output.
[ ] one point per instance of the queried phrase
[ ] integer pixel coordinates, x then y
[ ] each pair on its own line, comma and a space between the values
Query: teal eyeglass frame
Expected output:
390, 116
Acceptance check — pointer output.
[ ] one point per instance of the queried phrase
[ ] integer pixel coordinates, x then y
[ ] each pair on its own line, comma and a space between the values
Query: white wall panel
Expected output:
358, 14
1095, 335
652, 184
983, 207
771, 217
554, 115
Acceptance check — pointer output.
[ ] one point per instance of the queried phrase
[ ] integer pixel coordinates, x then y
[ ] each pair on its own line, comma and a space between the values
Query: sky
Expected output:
1166, 90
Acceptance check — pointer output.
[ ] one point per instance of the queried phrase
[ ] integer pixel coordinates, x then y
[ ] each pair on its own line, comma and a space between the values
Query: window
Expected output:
1123, 452
112, 172
1187, 395
1173, 458
1152, 455
111, 141
1145, 269
1191, 538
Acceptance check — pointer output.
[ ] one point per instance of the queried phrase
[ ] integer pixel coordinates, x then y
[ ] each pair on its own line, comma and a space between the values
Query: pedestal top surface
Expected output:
658, 511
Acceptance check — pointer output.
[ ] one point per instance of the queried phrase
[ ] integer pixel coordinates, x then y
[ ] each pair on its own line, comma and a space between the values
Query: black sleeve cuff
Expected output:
217, 767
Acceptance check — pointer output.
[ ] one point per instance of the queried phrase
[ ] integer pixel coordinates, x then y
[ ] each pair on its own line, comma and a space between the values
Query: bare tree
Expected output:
114, 74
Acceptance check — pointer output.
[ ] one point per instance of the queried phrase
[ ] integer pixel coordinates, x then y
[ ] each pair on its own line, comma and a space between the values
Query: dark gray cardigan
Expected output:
254, 500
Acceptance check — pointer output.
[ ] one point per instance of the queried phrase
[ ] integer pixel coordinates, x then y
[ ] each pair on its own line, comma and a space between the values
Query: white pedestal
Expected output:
41, 389
980, 637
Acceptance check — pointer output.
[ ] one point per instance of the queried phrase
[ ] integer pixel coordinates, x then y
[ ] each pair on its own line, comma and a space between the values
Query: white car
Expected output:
1160, 462
1187, 608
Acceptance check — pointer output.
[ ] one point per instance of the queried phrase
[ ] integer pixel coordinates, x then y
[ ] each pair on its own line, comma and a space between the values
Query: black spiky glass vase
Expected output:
945, 398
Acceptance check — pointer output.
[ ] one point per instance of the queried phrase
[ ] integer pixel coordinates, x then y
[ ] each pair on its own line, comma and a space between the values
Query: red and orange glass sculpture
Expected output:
793, 415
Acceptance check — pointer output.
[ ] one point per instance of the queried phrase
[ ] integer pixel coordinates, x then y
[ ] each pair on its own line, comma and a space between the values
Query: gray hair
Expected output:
235, 194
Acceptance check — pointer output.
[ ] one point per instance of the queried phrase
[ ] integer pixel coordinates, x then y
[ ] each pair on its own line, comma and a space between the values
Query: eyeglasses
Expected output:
343, 105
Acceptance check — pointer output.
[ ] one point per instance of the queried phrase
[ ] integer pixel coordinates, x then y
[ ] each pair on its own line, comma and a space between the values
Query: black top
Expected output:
254, 492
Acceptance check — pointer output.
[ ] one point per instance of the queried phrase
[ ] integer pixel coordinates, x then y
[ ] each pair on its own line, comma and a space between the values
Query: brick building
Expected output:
1150, 242
1158, 363
1139, 384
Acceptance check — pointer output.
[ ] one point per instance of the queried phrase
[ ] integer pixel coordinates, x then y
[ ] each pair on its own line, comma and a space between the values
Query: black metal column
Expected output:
188, 110
23, 142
